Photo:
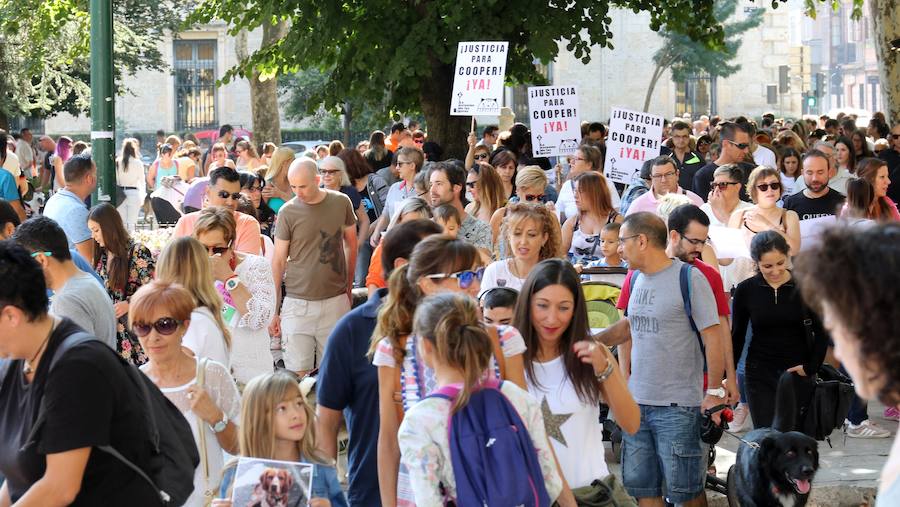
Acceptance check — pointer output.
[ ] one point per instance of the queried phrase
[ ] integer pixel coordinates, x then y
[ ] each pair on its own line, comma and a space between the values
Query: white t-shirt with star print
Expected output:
573, 427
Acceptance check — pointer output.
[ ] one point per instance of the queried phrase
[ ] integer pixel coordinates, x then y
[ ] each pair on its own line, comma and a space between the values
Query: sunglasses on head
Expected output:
534, 197
465, 279
225, 195
164, 326
764, 187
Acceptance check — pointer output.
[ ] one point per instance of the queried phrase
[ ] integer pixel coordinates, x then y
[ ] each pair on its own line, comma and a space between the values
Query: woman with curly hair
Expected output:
530, 234
861, 317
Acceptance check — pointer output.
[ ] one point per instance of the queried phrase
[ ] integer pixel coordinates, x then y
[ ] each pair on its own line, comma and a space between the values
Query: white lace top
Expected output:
221, 388
250, 355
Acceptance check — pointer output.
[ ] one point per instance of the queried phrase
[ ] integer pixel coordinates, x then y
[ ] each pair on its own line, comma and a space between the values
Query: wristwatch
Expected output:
232, 283
220, 426
718, 392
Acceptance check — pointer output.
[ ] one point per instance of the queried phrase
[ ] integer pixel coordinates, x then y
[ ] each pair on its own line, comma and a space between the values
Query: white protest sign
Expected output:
728, 243
555, 129
812, 228
478, 80
633, 138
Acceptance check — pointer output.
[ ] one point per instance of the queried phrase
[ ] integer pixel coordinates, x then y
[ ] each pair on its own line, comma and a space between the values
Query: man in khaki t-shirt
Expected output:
315, 252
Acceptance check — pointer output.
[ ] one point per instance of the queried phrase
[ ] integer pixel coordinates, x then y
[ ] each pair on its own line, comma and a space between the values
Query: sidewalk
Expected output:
848, 472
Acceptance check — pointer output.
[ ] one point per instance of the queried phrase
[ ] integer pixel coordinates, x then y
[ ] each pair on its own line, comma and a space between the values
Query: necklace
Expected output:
27, 368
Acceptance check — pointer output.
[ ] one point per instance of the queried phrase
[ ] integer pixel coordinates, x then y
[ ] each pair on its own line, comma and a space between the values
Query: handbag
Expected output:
120, 195
208, 492
606, 492
831, 398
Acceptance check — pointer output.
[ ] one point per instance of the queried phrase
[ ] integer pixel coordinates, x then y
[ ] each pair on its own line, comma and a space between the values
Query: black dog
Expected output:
778, 466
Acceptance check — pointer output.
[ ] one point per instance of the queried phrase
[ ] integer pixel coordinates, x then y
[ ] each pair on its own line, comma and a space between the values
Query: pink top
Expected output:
649, 202
248, 234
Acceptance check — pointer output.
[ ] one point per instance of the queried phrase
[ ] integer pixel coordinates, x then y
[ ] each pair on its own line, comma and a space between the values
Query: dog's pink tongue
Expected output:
802, 486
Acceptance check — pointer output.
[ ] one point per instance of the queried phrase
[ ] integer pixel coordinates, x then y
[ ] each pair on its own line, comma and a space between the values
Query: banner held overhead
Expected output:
555, 129
479, 77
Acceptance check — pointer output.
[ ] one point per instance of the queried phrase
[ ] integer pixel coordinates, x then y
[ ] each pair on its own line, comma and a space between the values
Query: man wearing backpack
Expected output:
64, 417
668, 307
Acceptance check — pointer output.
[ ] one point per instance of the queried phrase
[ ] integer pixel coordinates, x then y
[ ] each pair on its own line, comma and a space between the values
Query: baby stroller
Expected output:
601, 294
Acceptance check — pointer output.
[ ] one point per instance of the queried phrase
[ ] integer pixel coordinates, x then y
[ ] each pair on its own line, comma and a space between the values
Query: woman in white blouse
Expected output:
246, 284
185, 261
130, 176
202, 389
530, 234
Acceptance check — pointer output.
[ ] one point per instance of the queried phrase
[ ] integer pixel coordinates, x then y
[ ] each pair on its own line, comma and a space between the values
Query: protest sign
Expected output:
555, 129
728, 243
812, 228
271, 482
633, 138
478, 80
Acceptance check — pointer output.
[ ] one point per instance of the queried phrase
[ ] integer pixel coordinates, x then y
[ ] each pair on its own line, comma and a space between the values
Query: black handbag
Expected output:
120, 195
831, 398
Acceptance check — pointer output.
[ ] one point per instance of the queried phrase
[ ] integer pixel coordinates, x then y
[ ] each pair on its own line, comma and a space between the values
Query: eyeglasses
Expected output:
722, 185
481, 156
329, 172
534, 197
471, 184
626, 238
35, 255
164, 326
664, 175
695, 242
740, 146
895, 136
225, 195
401, 163
577, 159
764, 187
465, 279
421, 194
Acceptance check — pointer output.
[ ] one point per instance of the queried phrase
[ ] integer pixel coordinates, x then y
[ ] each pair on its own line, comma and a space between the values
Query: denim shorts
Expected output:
664, 457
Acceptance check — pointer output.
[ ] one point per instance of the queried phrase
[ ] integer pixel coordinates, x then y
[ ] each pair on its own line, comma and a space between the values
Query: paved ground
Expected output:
848, 472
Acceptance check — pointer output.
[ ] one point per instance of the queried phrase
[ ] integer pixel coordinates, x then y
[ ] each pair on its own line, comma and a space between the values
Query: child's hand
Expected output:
578, 268
319, 502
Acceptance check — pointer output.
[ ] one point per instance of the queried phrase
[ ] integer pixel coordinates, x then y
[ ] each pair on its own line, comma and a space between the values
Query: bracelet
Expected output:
603, 376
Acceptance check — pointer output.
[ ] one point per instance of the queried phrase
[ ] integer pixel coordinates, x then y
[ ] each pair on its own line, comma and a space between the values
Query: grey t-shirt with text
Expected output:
666, 358
84, 301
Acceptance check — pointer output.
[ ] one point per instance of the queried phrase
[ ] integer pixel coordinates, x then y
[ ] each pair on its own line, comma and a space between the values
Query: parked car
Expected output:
300, 147
208, 137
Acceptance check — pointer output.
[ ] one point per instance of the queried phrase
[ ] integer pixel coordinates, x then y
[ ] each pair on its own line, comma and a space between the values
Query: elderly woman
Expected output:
246, 284
201, 388
530, 234
861, 317
335, 177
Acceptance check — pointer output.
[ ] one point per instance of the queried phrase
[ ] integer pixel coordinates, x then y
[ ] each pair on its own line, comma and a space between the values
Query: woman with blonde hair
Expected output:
248, 158
530, 234
487, 191
581, 233
201, 388
186, 261
530, 184
246, 285
277, 190
278, 424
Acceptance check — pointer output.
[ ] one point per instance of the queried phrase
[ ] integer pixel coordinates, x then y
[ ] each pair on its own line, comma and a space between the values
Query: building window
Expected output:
696, 96
195, 84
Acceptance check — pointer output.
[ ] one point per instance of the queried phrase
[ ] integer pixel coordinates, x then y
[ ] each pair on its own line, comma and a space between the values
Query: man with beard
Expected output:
817, 199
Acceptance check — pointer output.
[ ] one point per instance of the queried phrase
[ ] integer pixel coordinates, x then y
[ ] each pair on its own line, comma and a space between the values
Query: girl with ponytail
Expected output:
453, 343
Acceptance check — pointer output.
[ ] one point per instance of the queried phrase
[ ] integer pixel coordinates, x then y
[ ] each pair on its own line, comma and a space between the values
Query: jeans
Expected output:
666, 450
130, 207
859, 409
363, 258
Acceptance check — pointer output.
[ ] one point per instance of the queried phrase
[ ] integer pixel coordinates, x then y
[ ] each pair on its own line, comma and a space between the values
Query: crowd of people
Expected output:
416, 289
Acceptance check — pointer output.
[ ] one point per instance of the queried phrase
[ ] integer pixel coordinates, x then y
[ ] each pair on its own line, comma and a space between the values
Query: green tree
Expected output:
685, 56
402, 53
45, 45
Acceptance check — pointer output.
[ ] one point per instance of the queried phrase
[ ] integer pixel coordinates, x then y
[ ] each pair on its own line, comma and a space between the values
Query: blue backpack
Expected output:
494, 460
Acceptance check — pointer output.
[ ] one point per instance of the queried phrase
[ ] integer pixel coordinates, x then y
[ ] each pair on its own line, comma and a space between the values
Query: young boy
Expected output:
609, 247
447, 216
498, 305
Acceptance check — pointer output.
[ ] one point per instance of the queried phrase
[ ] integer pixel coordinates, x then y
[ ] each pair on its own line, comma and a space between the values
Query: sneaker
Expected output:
741, 420
867, 429
892, 414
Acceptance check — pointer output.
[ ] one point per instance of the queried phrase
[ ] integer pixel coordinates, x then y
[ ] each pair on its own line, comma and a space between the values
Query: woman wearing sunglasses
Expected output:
201, 388
252, 187
437, 264
246, 285
484, 184
530, 233
531, 182
185, 261
477, 153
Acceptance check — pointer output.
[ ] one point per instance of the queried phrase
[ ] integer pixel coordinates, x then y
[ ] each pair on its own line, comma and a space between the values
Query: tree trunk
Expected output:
348, 122
886, 25
4, 121
449, 132
264, 109
657, 73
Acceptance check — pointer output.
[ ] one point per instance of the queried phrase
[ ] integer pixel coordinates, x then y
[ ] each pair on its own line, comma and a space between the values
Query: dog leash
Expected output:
754, 445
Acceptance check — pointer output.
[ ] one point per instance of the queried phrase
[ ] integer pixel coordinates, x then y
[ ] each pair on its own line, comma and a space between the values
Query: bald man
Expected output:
317, 231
